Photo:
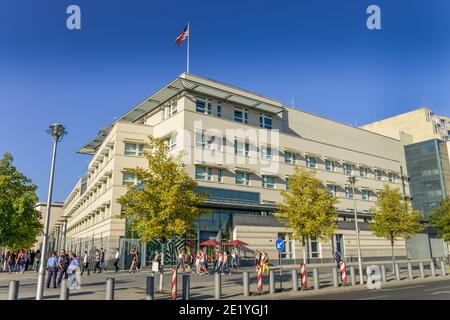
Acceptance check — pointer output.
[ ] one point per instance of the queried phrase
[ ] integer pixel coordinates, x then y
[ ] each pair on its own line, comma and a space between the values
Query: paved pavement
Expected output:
133, 286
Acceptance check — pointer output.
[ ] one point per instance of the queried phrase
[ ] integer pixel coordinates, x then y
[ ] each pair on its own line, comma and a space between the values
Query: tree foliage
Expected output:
393, 217
440, 219
19, 220
307, 207
165, 203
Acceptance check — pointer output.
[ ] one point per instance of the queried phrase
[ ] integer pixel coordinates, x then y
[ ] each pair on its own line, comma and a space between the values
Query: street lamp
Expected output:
352, 180
57, 131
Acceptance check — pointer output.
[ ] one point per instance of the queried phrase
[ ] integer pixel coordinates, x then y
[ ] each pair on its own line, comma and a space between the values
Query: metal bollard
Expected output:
64, 294
13, 293
433, 270
218, 286
397, 272
410, 271
335, 278
294, 280
422, 270
271, 282
316, 279
161, 282
186, 294
352, 276
150, 288
246, 283
383, 273
110, 284
443, 273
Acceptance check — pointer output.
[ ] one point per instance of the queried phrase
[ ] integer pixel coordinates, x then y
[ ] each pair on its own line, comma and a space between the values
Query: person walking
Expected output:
180, 263
20, 262
63, 264
97, 261
85, 264
116, 260
52, 265
11, 261
102, 260
337, 258
32, 257
157, 259
226, 263
257, 259
72, 269
37, 260
133, 261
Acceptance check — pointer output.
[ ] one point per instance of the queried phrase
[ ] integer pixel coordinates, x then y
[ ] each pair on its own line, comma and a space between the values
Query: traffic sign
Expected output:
279, 244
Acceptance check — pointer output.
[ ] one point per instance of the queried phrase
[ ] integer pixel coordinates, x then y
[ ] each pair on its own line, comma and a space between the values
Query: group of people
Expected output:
223, 261
20, 261
261, 260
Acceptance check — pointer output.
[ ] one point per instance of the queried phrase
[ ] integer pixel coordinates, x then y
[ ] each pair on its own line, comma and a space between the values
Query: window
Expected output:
173, 108
240, 115
173, 141
331, 189
134, 149
219, 175
347, 168
266, 153
219, 109
241, 148
129, 178
391, 177
378, 175
268, 182
203, 106
265, 121
242, 178
289, 157
365, 195
349, 192
203, 173
313, 248
287, 184
363, 171
329, 165
310, 162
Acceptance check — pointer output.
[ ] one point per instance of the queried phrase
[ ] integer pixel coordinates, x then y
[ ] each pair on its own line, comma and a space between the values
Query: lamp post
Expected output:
352, 180
57, 131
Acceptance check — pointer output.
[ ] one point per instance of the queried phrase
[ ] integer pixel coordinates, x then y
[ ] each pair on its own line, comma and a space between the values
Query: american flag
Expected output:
182, 36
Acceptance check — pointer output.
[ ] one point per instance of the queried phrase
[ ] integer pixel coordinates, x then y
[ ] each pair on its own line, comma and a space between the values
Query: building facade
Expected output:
56, 213
241, 148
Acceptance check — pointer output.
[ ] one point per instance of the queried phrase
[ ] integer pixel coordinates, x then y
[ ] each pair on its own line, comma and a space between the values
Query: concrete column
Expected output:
150, 288
246, 283
352, 276
64, 294
433, 270
294, 280
316, 279
397, 272
383, 273
110, 285
13, 293
271, 282
422, 270
186, 290
161, 279
410, 271
218, 286
443, 273
335, 278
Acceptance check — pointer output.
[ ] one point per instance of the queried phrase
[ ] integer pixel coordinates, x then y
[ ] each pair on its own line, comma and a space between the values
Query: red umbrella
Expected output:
210, 243
236, 243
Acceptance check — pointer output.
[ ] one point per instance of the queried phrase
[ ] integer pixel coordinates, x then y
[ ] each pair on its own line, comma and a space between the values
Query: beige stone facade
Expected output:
244, 147
56, 213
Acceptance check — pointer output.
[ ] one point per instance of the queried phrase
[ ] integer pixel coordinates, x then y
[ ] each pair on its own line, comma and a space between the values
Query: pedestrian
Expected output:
180, 263
63, 264
133, 261
85, 264
72, 269
52, 265
337, 257
20, 262
97, 261
257, 259
32, 259
157, 259
226, 263
37, 260
234, 257
116, 260
11, 261
264, 261
102, 260
219, 261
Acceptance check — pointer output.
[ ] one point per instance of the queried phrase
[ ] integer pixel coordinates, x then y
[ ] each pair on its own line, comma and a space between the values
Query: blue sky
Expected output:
319, 52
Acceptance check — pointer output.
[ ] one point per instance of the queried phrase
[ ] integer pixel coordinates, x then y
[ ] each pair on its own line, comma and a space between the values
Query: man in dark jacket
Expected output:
63, 264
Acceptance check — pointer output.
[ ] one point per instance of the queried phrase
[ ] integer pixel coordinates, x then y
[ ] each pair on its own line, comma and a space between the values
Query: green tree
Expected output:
440, 219
393, 217
165, 203
19, 220
307, 208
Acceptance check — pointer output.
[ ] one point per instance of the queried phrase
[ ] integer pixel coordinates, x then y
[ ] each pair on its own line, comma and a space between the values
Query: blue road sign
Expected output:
279, 245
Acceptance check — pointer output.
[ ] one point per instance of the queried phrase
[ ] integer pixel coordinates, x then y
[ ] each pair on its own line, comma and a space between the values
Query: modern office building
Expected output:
241, 148
56, 220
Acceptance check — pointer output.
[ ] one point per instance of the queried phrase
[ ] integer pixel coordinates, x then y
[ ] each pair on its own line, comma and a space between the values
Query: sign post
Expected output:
279, 244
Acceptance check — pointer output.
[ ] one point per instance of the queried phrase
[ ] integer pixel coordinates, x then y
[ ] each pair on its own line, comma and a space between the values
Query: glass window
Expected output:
391, 177
219, 175
266, 153
329, 165
241, 148
331, 189
134, 149
378, 175
347, 168
200, 140
348, 192
265, 121
363, 171
268, 182
203, 173
219, 109
240, 115
128, 178
365, 195
173, 108
203, 106
242, 178
287, 183
310, 162
173, 141
289, 157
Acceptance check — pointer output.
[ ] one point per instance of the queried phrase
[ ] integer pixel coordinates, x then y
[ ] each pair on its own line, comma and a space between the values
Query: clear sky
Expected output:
319, 52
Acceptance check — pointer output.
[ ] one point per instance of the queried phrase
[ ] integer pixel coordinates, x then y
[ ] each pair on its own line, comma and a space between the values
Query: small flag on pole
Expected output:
182, 36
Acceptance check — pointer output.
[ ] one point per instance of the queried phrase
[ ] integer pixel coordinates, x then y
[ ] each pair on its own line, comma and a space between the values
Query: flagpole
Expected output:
187, 59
